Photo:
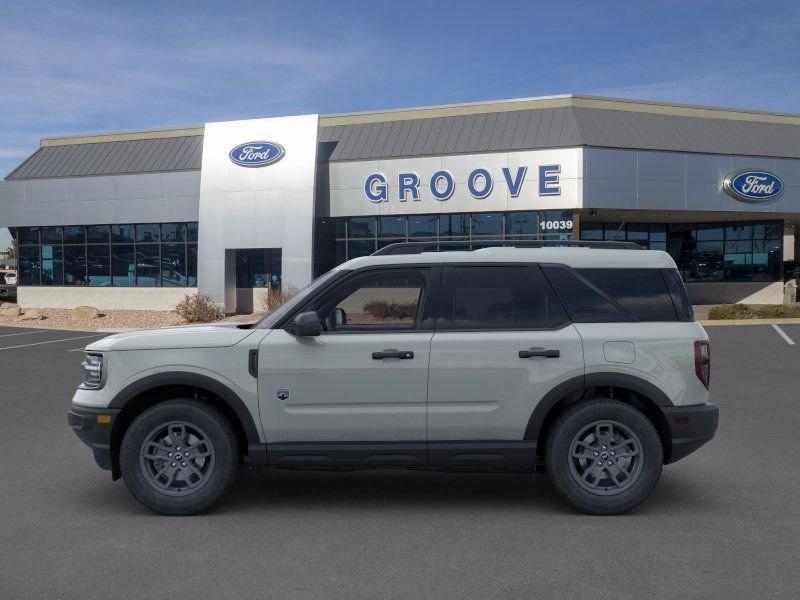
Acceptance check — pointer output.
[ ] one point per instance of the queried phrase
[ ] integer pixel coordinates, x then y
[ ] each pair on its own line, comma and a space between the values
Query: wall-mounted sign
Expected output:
442, 184
749, 185
257, 154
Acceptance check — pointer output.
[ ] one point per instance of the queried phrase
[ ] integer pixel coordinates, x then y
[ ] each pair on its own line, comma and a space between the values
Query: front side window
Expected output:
502, 298
375, 302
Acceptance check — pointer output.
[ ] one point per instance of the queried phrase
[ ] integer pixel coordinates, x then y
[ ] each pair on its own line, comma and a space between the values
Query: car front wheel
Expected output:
604, 456
179, 457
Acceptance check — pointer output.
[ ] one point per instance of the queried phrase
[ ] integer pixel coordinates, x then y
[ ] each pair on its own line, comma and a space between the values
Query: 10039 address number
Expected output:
556, 225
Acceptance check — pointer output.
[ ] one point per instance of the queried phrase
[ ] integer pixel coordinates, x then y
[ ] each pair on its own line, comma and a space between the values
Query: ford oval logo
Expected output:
257, 154
753, 186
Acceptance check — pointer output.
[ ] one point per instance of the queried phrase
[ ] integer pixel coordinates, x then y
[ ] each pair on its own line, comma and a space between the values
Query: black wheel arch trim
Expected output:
185, 378
591, 380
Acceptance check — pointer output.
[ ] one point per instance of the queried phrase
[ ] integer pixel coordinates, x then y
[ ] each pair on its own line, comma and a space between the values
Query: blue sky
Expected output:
75, 67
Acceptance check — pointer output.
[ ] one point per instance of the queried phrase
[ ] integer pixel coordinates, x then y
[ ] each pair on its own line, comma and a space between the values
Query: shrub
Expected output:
779, 311
198, 308
394, 310
748, 311
272, 297
732, 311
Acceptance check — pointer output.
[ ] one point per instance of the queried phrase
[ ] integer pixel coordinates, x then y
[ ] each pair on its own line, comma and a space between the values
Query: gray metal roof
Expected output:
560, 127
182, 153
548, 122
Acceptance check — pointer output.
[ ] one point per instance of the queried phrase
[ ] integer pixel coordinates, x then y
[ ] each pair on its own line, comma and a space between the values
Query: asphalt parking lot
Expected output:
723, 523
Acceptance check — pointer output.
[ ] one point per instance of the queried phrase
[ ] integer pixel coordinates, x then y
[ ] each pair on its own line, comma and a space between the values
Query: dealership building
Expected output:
139, 219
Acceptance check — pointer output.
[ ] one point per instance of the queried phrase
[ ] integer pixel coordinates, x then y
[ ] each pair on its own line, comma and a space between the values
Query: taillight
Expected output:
702, 361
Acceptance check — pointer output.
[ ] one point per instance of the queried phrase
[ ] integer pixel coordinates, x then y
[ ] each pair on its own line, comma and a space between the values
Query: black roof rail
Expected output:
475, 244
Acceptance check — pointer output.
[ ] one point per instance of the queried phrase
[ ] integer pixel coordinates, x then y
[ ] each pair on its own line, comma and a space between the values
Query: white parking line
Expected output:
83, 337
23, 333
782, 333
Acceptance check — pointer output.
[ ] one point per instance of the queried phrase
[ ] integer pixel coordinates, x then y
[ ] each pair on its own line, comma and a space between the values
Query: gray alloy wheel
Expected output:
605, 457
177, 458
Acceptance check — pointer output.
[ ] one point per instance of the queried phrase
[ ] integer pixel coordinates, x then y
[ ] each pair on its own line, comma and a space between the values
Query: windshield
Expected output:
279, 313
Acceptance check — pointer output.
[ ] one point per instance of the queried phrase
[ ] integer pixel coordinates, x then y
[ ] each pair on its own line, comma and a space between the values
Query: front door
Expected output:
359, 390
502, 343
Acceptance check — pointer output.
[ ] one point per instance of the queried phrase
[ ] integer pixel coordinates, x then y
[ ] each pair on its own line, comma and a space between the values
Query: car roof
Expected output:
577, 257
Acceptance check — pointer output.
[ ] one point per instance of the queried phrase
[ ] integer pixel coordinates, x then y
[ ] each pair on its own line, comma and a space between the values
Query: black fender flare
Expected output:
582, 382
186, 378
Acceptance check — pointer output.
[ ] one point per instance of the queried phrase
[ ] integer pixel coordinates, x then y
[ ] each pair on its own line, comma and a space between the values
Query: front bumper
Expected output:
93, 426
690, 427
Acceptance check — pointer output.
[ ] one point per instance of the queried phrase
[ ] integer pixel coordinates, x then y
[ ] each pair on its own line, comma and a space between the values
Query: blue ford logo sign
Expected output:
753, 186
257, 154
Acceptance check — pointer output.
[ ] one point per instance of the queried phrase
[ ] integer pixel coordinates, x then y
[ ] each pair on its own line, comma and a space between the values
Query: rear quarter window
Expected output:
641, 292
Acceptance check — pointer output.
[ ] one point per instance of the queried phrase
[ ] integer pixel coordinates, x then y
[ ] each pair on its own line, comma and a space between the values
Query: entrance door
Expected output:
502, 344
257, 269
359, 389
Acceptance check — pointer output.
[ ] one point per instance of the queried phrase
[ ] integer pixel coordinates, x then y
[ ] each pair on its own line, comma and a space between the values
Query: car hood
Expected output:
190, 336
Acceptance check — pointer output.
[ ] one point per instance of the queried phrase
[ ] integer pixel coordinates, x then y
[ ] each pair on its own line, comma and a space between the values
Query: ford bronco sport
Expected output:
580, 359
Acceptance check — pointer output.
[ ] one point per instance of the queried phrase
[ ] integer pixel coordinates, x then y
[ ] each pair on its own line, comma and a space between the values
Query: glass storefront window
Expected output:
29, 264
52, 265
454, 226
391, 227
345, 238
148, 265
108, 255
358, 248
74, 235
739, 251
98, 259
422, 226
490, 224
522, 223
148, 233
173, 265
123, 265
97, 234
51, 235
173, 232
362, 227
75, 265
122, 234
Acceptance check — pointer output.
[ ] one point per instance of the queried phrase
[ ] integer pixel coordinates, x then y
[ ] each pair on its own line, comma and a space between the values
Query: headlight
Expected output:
93, 371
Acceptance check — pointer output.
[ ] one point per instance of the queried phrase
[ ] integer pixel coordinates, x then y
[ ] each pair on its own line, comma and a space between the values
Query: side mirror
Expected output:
307, 324
339, 318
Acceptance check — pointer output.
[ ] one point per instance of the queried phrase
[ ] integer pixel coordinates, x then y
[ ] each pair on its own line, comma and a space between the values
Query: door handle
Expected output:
532, 352
401, 354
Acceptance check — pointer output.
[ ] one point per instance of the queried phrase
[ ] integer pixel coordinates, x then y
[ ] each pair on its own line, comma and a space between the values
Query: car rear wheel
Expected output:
604, 456
179, 457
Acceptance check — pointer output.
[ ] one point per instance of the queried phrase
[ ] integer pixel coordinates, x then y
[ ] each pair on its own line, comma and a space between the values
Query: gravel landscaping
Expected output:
58, 318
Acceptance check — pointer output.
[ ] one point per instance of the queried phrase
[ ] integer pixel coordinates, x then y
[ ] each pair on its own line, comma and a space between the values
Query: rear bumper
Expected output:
690, 427
93, 432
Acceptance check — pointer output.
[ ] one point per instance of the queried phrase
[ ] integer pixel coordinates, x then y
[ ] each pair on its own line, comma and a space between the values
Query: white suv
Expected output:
584, 361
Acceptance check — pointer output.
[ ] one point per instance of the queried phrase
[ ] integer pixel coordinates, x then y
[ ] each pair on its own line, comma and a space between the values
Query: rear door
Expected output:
502, 342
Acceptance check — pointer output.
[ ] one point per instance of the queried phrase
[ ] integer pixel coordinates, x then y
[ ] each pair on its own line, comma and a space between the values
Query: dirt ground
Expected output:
59, 318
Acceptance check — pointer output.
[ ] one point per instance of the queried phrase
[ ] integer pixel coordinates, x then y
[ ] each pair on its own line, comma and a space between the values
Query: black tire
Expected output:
579, 457
165, 486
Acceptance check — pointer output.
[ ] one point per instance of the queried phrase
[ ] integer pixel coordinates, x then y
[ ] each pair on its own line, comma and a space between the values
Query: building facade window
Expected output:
143, 255
737, 251
340, 239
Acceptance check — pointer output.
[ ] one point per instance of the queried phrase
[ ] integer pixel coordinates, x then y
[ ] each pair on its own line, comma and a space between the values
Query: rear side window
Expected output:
502, 298
642, 292
584, 301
